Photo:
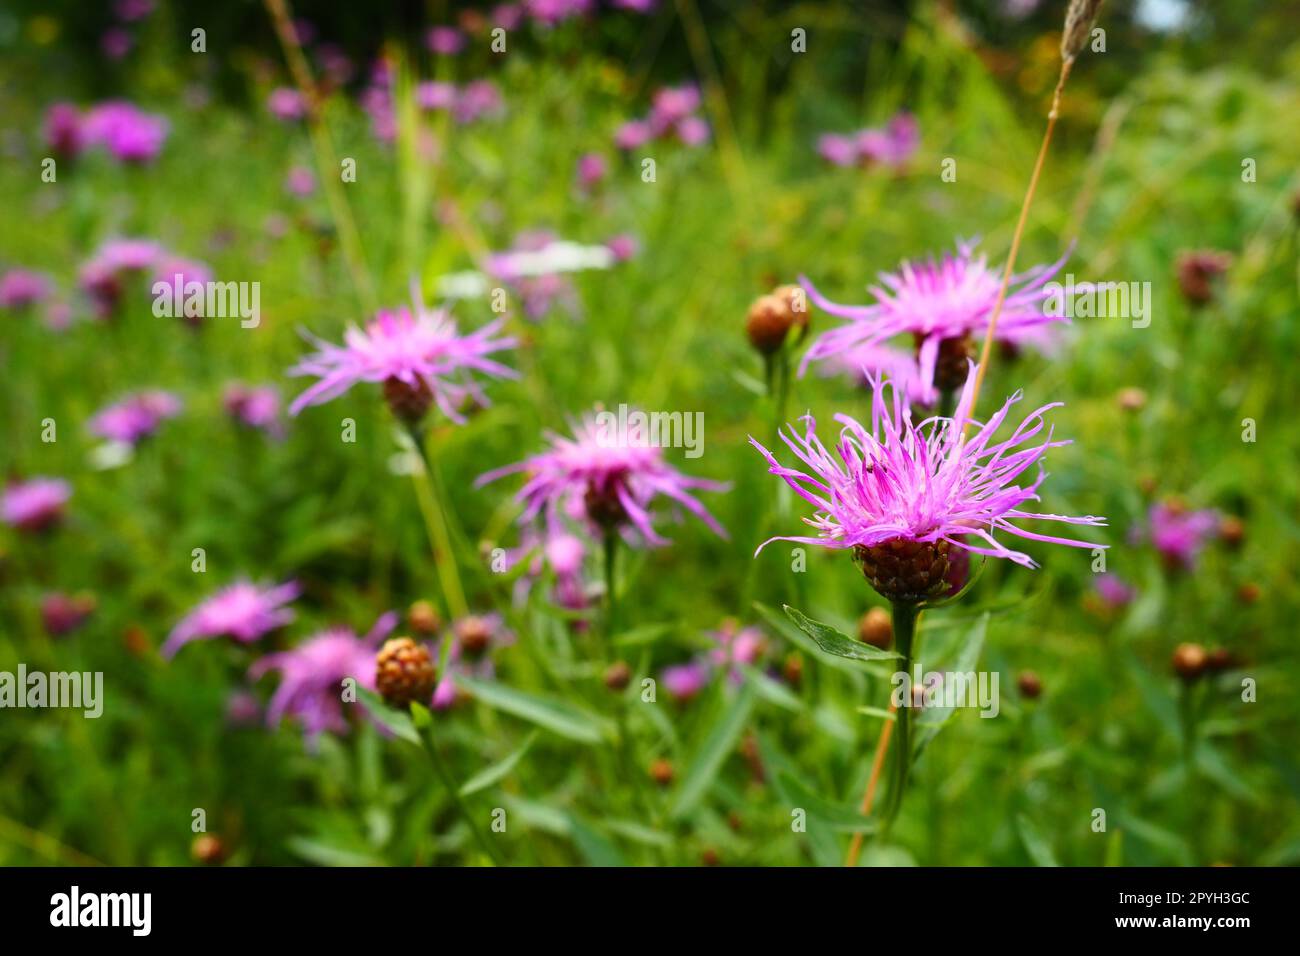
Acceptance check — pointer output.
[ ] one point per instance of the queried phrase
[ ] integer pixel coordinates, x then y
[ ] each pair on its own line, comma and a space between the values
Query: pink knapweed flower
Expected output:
476, 100
435, 95
472, 638
837, 150
921, 484
1113, 590
64, 130
445, 41
1179, 534
135, 417
737, 647
672, 104
863, 363
693, 131
63, 613
22, 288
127, 132
937, 302
256, 407
419, 352
684, 681
607, 480
104, 276
633, 134
287, 104
312, 675
36, 504
300, 182
243, 611
592, 170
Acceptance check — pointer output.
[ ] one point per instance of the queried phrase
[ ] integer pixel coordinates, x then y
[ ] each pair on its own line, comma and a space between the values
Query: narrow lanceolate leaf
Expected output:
833, 642
824, 812
498, 771
1035, 845
717, 745
546, 712
396, 722
785, 627
596, 848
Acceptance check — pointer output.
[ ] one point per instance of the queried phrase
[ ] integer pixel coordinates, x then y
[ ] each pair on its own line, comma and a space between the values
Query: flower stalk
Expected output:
905, 617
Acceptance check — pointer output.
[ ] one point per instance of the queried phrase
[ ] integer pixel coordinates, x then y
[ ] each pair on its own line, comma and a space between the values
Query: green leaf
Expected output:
325, 854
594, 845
396, 722
833, 642
721, 740
774, 692
1035, 845
546, 712
786, 629
826, 812
639, 833
498, 771
965, 660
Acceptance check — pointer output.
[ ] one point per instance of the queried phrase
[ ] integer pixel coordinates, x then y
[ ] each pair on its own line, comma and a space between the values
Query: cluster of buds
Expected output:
771, 318
404, 672
1192, 661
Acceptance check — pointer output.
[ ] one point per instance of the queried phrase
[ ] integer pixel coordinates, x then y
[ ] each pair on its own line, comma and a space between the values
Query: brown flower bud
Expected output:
404, 672
1190, 661
1197, 271
1248, 593
408, 402
1219, 659
661, 771
901, 569
618, 675
1232, 530
792, 669
1132, 399
1029, 684
768, 323
207, 848
710, 857
423, 618
474, 634
876, 629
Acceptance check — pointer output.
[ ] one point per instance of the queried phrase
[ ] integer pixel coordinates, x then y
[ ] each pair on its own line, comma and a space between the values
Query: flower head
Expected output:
254, 407
64, 130
606, 480
63, 613
35, 504
737, 646
22, 288
684, 681
936, 302
311, 675
104, 276
420, 354
243, 611
287, 104
135, 417
472, 639
908, 493
1179, 534
127, 132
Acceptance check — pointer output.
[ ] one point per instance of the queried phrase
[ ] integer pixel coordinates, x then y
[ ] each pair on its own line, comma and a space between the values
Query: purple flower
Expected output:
671, 105
62, 613
507, 15
312, 675
445, 41
836, 149
1179, 534
254, 407
64, 130
135, 417
592, 170
553, 12
128, 11
1113, 591
36, 504
633, 135
243, 611
693, 131
921, 483
476, 100
129, 133
300, 182
685, 681
864, 363
174, 274
421, 351
736, 647
634, 6
287, 104
623, 247
606, 480
936, 302
434, 95
116, 43
21, 289
103, 277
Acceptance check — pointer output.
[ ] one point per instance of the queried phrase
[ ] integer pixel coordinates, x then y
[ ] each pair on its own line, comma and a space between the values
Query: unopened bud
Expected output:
409, 402
661, 771
1190, 661
404, 672
1232, 530
423, 618
876, 629
769, 321
207, 848
1029, 684
618, 675
1132, 399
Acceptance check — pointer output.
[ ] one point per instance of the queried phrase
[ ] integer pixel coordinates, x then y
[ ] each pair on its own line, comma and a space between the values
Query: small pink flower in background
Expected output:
103, 277
633, 135
736, 647
176, 273
1180, 534
64, 130
921, 483
22, 288
36, 504
243, 709
610, 482
539, 291
635, 6
685, 681
287, 104
623, 247
127, 132
670, 105
1113, 591
421, 351
476, 100
510, 16
445, 41
550, 13
864, 363
135, 417
304, 31
592, 170
472, 638
693, 131
435, 95
300, 182
335, 65
116, 43
564, 553
312, 675
128, 11
243, 611
837, 150
254, 407
63, 613
934, 302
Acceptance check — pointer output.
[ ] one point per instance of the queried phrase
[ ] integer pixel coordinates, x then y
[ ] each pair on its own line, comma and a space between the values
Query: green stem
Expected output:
444, 776
905, 616
611, 595
435, 523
